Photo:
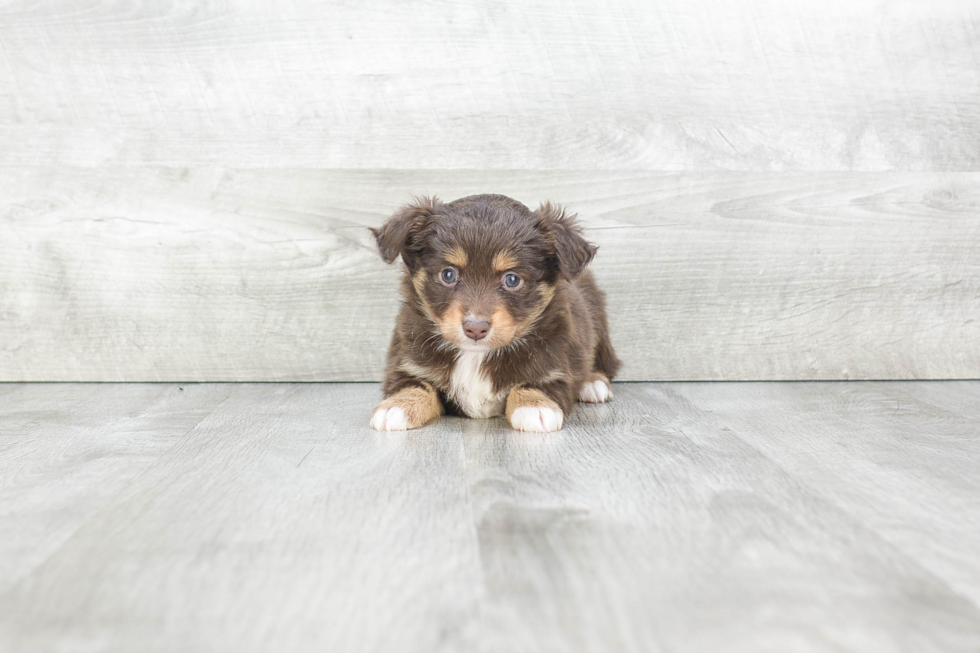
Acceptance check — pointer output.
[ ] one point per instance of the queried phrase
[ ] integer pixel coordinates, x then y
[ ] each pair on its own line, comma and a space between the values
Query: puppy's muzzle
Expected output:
476, 329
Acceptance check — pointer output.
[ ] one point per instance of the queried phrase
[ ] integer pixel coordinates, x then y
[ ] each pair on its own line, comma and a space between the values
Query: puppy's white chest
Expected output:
471, 388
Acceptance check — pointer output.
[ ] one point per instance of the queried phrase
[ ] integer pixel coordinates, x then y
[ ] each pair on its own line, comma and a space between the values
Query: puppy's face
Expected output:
483, 283
483, 268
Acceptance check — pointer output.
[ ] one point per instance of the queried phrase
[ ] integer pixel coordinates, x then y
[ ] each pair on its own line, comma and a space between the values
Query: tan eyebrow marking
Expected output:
457, 257
504, 261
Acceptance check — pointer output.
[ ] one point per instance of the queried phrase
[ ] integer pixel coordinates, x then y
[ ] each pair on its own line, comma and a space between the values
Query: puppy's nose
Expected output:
476, 330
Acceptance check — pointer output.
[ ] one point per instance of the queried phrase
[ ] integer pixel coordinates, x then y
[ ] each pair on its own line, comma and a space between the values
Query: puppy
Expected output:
499, 315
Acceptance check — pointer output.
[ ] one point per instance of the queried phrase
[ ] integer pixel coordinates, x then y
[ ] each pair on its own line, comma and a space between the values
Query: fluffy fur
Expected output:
488, 262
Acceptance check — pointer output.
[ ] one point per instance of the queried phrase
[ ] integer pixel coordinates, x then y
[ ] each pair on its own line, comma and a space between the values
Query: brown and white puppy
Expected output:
499, 315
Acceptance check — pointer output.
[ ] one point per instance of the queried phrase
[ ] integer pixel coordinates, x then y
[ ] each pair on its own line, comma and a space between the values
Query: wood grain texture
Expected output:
156, 274
852, 445
542, 84
79, 445
679, 517
275, 524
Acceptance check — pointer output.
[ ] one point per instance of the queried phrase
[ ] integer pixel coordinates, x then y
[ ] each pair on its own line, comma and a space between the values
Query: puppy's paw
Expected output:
409, 408
529, 409
540, 419
595, 392
389, 419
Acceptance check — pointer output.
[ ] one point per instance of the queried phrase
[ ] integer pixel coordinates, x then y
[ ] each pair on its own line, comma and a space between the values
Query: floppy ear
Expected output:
564, 234
395, 235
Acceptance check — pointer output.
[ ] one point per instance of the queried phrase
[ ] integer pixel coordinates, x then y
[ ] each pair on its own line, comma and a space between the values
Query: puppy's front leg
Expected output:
596, 390
409, 408
530, 409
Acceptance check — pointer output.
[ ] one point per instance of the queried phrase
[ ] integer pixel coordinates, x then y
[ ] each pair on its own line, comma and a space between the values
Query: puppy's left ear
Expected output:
395, 236
564, 234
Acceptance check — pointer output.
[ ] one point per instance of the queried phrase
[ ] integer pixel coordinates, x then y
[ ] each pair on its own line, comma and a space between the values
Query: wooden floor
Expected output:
680, 517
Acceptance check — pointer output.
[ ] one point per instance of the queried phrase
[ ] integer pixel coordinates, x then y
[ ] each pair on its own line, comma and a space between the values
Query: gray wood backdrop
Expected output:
780, 190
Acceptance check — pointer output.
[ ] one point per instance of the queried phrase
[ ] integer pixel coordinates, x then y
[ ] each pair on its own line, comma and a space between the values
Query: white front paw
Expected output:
540, 419
594, 392
389, 419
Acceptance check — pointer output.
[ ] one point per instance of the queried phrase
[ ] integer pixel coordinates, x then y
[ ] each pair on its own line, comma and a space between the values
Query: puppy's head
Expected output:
485, 267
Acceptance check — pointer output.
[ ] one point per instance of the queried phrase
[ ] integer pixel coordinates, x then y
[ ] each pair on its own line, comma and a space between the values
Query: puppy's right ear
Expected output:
396, 234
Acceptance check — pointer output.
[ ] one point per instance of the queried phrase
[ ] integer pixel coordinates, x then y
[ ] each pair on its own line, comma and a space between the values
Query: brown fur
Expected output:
548, 336
457, 257
504, 261
599, 376
522, 397
420, 403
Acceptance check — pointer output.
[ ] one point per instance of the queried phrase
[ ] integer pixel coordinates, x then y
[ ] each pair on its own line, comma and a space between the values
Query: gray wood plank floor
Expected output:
680, 517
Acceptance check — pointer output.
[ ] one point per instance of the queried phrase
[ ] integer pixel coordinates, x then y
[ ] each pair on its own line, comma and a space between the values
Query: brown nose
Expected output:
476, 330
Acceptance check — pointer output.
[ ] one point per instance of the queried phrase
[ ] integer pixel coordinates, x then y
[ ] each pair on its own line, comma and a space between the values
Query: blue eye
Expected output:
448, 276
511, 280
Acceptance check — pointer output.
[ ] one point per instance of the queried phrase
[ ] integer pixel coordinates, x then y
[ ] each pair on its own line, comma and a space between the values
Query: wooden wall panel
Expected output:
521, 84
174, 274
783, 189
